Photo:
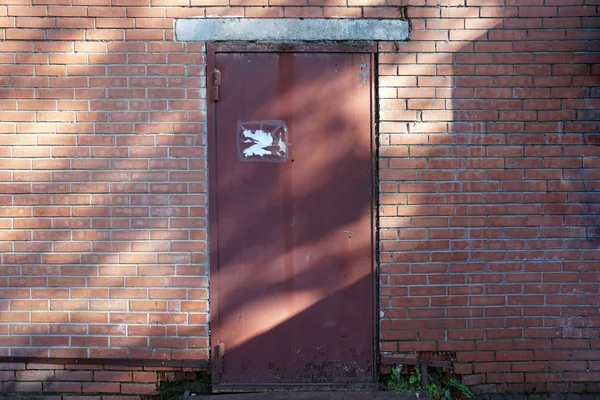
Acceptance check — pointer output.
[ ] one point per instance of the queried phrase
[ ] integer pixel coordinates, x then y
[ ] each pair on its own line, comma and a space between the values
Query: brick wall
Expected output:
103, 196
24, 381
103, 192
489, 179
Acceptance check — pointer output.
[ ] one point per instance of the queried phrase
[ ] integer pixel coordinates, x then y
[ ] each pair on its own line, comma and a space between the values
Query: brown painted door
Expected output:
291, 175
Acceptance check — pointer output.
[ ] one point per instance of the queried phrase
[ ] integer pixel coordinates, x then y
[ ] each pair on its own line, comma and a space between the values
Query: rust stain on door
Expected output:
291, 230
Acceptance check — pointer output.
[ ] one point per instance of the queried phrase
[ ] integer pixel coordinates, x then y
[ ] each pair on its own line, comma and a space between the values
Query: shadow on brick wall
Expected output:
488, 178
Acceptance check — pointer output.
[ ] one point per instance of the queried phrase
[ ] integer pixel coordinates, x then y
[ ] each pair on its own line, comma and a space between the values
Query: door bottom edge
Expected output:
293, 387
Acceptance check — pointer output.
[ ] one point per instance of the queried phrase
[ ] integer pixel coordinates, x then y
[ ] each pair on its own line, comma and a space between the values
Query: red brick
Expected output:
138, 388
63, 387
101, 387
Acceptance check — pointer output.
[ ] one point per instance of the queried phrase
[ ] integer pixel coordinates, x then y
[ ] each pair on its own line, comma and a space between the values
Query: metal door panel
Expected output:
291, 219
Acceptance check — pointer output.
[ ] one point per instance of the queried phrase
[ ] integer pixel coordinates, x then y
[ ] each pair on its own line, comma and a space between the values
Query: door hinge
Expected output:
216, 84
218, 356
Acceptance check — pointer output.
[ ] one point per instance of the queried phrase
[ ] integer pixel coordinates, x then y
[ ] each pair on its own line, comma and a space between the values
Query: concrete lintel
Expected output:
289, 29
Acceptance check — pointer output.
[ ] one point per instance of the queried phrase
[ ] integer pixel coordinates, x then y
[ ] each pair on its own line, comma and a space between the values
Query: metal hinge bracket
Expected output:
218, 356
216, 83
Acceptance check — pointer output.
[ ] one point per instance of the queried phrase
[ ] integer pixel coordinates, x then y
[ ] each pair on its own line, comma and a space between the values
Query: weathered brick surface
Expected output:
489, 192
489, 175
103, 198
89, 382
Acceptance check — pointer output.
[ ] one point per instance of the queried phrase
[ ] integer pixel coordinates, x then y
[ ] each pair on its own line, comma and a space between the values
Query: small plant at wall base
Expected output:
396, 382
439, 386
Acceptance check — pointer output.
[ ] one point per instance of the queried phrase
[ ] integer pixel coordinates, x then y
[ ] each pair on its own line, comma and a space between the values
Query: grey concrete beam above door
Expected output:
289, 29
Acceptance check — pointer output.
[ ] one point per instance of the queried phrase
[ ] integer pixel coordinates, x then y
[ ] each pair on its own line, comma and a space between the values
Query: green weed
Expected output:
438, 386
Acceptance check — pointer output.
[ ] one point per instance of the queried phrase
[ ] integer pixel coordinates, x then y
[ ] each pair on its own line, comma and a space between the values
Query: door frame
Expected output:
212, 49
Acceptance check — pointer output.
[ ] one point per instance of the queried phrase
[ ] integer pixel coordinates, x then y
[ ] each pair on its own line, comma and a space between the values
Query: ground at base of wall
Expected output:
538, 396
301, 396
237, 396
175, 390
391, 396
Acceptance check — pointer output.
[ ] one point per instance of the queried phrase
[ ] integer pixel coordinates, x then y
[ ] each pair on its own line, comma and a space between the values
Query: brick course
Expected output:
69, 381
488, 174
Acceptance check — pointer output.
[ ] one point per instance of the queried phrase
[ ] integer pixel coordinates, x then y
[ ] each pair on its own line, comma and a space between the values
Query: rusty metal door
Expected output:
291, 219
